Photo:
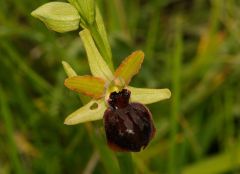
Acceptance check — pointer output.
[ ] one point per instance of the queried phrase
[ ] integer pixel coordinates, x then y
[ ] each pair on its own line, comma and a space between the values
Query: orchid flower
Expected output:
103, 82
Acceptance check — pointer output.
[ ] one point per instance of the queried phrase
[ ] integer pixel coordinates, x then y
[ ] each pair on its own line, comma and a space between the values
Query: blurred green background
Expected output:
191, 47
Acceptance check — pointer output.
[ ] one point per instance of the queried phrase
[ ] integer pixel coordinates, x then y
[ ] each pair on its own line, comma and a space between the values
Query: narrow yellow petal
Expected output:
130, 66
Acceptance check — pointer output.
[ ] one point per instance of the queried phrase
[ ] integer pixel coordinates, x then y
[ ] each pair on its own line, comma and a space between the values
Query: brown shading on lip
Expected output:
128, 126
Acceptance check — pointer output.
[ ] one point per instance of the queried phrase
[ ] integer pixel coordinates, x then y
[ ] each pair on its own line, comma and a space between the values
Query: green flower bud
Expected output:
86, 9
58, 16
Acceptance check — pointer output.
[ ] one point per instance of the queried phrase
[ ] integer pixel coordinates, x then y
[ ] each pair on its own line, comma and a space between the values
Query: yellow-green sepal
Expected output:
130, 66
92, 111
88, 85
58, 16
98, 66
147, 95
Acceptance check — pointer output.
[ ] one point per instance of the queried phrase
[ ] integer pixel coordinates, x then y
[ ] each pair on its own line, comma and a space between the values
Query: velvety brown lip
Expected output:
128, 126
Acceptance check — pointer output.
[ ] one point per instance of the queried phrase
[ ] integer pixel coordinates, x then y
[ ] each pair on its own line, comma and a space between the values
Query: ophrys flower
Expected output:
112, 95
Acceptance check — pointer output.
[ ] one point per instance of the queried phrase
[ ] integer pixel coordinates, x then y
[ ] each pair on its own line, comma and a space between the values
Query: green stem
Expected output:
173, 167
106, 54
125, 162
99, 35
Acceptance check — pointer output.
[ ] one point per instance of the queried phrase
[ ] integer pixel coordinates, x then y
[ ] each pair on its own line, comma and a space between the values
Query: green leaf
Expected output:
130, 66
147, 95
97, 65
92, 111
88, 85
223, 162
58, 16
68, 69
86, 8
7, 119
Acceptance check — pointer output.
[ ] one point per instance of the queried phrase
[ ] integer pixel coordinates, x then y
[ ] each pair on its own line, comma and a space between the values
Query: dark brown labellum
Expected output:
128, 126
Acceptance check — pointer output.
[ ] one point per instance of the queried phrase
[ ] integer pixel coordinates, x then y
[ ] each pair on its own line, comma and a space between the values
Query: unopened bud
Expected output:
58, 16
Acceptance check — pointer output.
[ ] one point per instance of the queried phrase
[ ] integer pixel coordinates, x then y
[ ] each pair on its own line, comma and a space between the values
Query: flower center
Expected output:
119, 99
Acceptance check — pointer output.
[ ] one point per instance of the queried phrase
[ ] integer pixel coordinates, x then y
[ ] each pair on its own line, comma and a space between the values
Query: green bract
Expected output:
86, 8
103, 82
58, 16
